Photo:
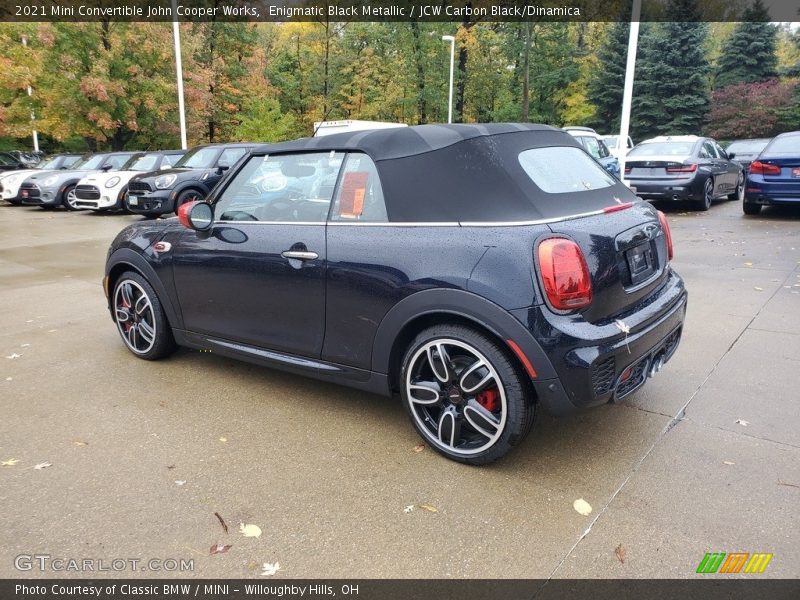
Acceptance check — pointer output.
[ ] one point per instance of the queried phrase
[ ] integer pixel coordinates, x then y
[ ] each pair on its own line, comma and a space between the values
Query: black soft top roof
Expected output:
399, 142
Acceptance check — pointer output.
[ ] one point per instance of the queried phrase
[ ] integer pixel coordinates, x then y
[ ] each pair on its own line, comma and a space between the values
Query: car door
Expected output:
710, 160
258, 277
732, 169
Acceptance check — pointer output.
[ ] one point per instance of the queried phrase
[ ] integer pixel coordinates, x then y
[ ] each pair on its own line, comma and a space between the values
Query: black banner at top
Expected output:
386, 10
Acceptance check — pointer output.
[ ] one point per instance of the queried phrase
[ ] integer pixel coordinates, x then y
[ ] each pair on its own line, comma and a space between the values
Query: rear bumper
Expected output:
592, 360
676, 189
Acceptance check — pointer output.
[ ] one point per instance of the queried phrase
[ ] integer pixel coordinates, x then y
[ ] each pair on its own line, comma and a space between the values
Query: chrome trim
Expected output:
299, 255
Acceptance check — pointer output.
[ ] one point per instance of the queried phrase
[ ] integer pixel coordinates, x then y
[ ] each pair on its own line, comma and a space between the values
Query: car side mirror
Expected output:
196, 215
732, 155
222, 168
106, 168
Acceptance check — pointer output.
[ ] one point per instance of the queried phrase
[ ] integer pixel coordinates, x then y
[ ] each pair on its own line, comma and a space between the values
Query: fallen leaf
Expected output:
180, 481
269, 569
728, 462
170, 466
221, 521
429, 508
42, 465
220, 548
419, 447
742, 422
13, 356
52, 330
582, 507
24, 345
9, 463
758, 289
80, 443
788, 484
622, 326
620, 552
9, 379
748, 264
408, 508
223, 439
250, 530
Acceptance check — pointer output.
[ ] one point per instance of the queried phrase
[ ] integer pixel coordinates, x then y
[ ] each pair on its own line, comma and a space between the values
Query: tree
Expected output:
755, 109
262, 121
750, 52
606, 85
670, 93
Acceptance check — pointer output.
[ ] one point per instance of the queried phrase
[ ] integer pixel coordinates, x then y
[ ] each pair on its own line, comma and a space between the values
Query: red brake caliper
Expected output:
488, 399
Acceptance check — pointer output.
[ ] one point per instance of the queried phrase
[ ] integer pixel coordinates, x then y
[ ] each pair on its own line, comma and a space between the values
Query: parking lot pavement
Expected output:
703, 459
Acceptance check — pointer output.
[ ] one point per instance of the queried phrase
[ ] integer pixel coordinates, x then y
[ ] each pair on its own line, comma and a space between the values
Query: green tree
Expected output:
671, 92
263, 121
608, 81
750, 53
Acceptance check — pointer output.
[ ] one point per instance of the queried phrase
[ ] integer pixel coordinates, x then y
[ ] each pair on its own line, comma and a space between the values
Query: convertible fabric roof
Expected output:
399, 142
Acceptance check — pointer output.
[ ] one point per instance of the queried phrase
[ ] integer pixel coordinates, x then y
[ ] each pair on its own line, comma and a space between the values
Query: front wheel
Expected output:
70, 199
187, 196
465, 395
140, 318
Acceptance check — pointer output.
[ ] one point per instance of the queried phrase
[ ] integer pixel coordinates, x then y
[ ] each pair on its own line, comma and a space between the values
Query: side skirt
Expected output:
376, 383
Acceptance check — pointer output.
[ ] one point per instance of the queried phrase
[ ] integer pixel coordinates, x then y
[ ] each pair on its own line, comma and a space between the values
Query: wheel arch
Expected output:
430, 307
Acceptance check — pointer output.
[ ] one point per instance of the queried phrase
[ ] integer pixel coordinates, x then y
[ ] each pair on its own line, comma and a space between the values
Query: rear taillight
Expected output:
662, 218
565, 274
628, 170
759, 168
681, 168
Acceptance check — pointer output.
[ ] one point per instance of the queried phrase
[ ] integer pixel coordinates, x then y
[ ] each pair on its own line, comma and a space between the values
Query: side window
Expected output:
708, 149
592, 147
360, 195
117, 160
720, 152
704, 153
288, 187
603, 149
169, 160
229, 156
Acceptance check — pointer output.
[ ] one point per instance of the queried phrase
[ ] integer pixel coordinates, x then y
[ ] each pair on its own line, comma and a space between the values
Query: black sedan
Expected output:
683, 167
484, 273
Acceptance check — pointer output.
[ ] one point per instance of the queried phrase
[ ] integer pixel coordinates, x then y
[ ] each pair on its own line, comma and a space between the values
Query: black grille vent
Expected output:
87, 192
139, 187
603, 376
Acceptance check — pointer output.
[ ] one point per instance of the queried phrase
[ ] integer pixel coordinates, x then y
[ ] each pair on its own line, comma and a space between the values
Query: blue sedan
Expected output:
774, 177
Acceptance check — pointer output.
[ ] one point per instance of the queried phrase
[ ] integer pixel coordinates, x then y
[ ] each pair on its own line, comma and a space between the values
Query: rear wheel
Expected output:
70, 200
751, 209
140, 318
737, 193
708, 193
465, 395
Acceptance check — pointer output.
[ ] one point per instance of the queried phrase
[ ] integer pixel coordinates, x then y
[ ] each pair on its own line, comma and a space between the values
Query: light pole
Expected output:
627, 93
452, 40
176, 35
33, 116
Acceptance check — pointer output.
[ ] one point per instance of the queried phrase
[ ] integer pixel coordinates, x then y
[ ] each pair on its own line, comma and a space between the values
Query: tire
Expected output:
149, 216
751, 209
67, 200
736, 195
140, 318
187, 196
473, 411
708, 193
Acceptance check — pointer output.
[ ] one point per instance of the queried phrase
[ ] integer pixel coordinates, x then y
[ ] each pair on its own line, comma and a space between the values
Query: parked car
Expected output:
30, 159
106, 190
9, 162
362, 259
611, 142
11, 181
162, 192
774, 177
595, 146
49, 189
745, 151
683, 167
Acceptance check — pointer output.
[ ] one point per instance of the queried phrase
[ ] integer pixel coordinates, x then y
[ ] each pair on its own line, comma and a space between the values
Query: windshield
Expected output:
662, 149
611, 141
748, 146
141, 162
51, 163
199, 158
789, 145
93, 162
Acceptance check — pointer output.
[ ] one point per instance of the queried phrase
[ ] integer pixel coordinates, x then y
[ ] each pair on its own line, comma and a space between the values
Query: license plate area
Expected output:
641, 262
796, 172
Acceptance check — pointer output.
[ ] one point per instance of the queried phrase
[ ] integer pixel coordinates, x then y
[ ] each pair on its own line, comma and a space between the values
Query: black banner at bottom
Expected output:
712, 588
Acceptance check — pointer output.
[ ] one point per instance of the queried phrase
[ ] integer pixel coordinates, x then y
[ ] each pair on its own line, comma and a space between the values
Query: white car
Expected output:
612, 140
11, 181
105, 190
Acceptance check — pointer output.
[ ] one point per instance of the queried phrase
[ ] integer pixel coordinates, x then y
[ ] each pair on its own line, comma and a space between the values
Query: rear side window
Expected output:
360, 195
563, 169
170, 159
117, 160
229, 157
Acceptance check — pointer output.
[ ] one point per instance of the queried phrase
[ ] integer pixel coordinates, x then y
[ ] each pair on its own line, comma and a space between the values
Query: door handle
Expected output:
299, 254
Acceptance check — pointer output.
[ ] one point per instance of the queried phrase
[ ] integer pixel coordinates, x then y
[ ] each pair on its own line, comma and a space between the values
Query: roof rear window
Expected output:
662, 149
787, 144
563, 169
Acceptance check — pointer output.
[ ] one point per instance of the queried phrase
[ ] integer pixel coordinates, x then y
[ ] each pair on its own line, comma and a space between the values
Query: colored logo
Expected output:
734, 562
